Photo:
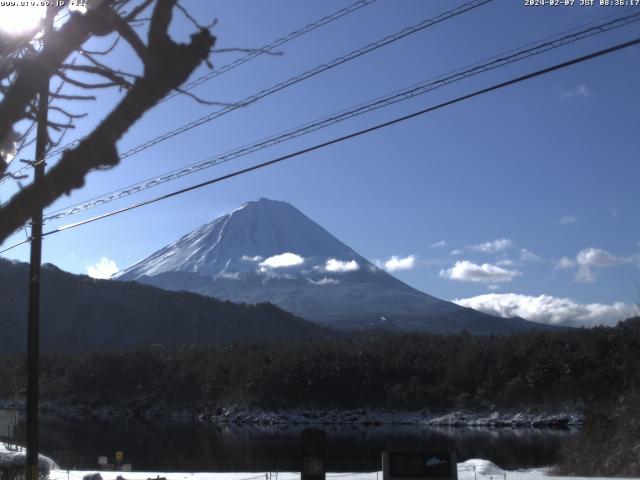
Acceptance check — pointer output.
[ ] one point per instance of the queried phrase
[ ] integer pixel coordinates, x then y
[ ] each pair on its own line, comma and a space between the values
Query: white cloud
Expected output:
283, 260
334, 265
103, 268
493, 287
439, 244
466, 271
548, 309
247, 258
505, 262
396, 263
584, 275
567, 219
496, 245
584, 91
325, 281
456, 252
589, 258
596, 257
527, 256
565, 263
581, 90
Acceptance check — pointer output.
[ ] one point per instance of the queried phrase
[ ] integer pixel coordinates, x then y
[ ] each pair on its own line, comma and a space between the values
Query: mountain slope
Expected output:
228, 244
268, 250
79, 313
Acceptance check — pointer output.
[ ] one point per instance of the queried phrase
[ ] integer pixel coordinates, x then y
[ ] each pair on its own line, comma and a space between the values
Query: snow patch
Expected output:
481, 467
325, 281
255, 258
14, 456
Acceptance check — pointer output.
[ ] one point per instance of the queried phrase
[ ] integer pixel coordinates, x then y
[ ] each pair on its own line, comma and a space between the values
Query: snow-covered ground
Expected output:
10, 456
473, 469
470, 470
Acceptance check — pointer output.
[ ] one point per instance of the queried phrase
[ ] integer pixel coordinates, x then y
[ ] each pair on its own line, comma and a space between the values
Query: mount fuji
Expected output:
268, 251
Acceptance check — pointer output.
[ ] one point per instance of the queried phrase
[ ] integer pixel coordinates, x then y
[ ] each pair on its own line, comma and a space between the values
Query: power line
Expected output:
305, 75
230, 66
249, 56
506, 58
310, 73
358, 133
273, 45
62, 17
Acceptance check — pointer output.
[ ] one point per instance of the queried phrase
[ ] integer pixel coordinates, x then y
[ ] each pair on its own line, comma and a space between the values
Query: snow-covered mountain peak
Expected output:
237, 241
269, 251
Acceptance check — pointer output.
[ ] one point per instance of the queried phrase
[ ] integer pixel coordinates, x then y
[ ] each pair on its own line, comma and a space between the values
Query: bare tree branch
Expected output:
95, 70
34, 71
195, 23
57, 126
126, 32
14, 176
137, 10
67, 114
106, 51
87, 85
71, 97
98, 149
203, 101
159, 28
103, 66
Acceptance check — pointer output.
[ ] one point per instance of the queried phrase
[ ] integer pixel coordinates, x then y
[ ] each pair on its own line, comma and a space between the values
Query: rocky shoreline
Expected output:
240, 415
372, 417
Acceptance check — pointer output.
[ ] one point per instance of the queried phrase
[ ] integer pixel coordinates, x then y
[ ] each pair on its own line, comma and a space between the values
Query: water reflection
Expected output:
192, 446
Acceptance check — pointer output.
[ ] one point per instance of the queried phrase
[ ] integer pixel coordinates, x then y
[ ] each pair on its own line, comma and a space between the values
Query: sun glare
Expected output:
16, 19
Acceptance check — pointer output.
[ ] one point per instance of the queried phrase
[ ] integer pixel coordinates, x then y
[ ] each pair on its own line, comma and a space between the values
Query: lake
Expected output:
171, 445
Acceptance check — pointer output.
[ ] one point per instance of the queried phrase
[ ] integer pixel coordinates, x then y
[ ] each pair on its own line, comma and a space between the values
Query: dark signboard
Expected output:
313, 449
419, 465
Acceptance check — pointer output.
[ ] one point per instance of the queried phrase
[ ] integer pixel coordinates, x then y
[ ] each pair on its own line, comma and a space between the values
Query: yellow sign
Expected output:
119, 457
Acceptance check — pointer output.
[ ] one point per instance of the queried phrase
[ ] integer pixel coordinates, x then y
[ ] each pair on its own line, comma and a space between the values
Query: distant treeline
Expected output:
573, 368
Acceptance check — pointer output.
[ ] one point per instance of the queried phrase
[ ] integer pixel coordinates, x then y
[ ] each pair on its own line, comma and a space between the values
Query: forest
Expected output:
570, 368
595, 371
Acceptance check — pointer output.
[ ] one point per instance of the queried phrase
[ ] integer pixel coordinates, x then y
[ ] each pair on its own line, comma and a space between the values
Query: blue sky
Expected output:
523, 192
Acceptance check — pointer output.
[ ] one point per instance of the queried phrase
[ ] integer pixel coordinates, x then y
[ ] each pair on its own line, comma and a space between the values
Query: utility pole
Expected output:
33, 333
